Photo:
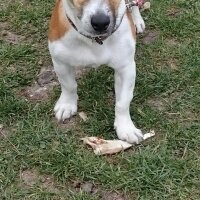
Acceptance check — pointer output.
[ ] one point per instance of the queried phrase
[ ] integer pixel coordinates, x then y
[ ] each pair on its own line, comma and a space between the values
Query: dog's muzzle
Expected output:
100, 22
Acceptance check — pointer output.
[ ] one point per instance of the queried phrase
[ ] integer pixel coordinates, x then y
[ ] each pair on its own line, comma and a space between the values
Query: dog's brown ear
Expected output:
58, 25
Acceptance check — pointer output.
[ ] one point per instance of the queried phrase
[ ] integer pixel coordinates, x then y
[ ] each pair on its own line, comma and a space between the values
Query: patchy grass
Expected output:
40, 159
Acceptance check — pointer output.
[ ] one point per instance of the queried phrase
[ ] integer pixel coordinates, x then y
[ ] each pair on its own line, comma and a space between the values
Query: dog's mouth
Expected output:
113, 26
95, 33
100, 34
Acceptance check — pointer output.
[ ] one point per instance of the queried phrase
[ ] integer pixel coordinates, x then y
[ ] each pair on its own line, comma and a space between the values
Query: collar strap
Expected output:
98, 40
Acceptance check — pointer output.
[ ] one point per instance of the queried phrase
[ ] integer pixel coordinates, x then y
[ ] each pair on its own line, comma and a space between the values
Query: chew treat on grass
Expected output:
101, 146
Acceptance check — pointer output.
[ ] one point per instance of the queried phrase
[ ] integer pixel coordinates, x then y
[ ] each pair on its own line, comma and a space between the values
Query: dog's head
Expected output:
97, 17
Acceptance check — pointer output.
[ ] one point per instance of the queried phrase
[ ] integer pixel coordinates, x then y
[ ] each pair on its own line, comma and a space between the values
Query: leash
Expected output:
131, 3
99, 40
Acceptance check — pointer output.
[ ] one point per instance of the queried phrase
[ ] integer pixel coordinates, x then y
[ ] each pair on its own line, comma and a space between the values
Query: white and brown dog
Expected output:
94, 33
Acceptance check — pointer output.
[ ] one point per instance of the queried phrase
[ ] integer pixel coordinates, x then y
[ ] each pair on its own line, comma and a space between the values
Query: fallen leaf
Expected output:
146, 6
83, 116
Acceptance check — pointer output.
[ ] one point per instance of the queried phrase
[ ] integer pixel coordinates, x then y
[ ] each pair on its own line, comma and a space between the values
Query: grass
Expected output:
167, 167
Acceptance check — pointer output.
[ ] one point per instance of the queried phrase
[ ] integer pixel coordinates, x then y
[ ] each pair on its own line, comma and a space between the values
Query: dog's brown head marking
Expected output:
79, 3
84, 11
114, 5
58, 24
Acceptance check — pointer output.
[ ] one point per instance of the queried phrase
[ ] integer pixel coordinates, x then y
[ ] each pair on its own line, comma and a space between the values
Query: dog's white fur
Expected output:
74, 50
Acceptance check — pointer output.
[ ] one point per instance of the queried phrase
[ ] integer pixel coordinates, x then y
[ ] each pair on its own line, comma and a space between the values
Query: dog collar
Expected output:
100, 39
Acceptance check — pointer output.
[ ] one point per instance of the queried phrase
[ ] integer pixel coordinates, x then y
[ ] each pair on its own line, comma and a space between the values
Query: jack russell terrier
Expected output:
94, 33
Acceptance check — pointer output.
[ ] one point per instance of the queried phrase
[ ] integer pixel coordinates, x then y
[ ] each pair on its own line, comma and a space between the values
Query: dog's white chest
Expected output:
75, 52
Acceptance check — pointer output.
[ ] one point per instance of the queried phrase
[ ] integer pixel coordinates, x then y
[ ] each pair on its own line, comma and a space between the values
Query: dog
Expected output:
93, 33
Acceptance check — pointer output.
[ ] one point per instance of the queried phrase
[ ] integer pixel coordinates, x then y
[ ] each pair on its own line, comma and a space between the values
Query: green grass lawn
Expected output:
40, 159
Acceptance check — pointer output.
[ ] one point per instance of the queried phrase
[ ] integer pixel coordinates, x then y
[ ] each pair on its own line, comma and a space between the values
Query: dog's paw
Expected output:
140, 25
64, 111
128, 132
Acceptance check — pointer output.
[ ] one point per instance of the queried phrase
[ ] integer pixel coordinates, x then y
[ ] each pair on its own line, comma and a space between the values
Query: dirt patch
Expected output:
173, 64
84, 187
35, 93
173, 12
49, 184
71, 124
184, 117
31, 177
97, 190
44, 84
173, 96
187, 118
68, 124
46, 76
150, 37
4, 5
10, 37
157, 104
3, 26
4, 133
42, 87
172, 42
114, 196
80, 72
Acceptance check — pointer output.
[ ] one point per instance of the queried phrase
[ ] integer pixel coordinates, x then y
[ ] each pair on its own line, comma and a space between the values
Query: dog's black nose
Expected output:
100, 22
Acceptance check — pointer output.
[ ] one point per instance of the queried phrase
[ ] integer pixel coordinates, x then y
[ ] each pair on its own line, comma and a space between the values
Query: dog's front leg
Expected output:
138, 20
124, 86
66, 105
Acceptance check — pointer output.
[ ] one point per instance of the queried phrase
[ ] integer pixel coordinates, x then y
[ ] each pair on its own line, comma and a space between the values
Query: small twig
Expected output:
10, 142
172, 113
185, 150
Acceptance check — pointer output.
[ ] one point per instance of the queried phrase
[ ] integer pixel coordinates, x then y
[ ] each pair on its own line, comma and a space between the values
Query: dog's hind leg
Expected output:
124, 86
138, 20
66, 105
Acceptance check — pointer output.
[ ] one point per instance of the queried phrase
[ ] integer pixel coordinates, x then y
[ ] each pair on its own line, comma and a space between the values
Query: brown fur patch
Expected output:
114, 5
133, 28
59, 24
79, 3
